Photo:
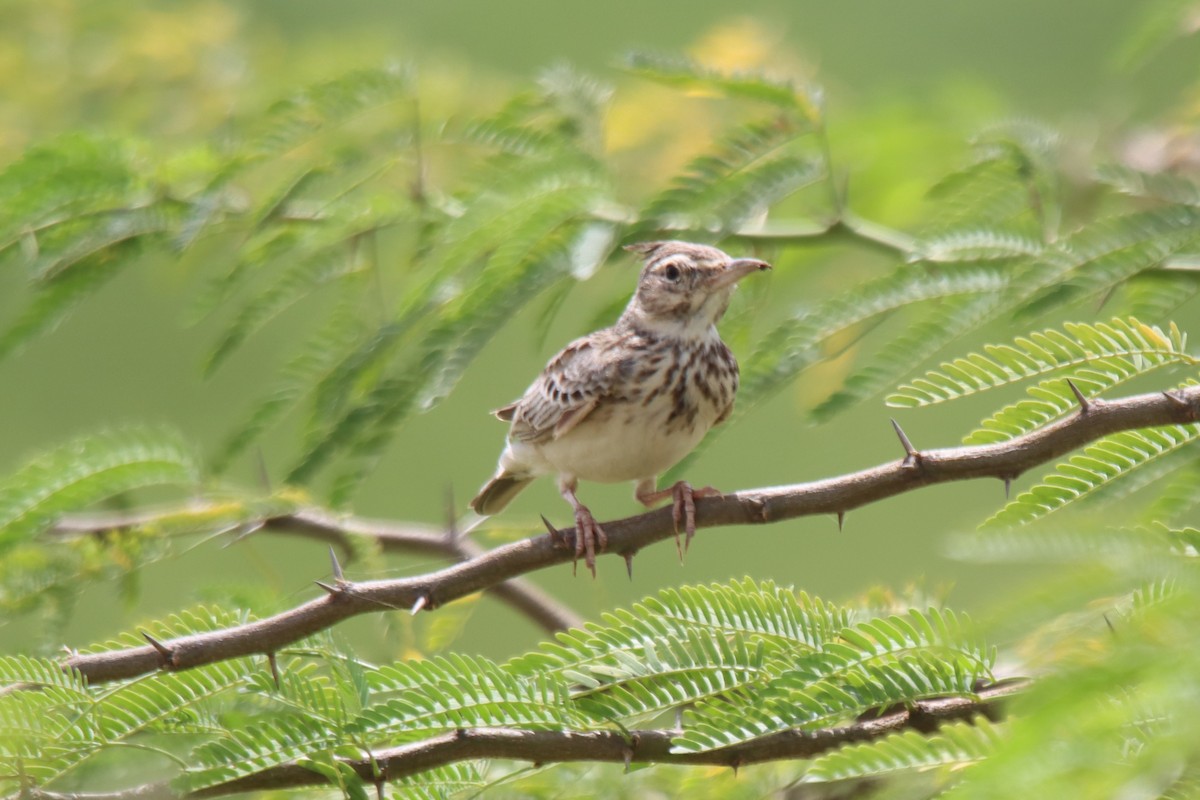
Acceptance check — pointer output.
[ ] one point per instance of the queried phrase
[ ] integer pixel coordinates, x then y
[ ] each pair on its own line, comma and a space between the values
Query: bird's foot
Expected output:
683, 509
590, 539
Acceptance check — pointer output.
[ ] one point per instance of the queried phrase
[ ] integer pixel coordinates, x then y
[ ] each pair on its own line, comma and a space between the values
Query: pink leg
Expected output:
589, 536
683, 510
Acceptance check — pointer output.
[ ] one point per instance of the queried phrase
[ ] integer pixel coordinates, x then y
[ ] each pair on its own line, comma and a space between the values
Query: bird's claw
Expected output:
590, 539
683, 511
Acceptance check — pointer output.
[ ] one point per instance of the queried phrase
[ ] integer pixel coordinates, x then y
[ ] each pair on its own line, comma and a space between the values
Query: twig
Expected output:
337, 530
487, 570
547, 747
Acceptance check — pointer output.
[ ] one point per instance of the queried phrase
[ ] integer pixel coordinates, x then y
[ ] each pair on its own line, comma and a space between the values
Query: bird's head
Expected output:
686, 287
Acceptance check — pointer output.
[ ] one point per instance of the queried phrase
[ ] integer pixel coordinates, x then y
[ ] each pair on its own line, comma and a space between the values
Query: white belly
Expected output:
631, 443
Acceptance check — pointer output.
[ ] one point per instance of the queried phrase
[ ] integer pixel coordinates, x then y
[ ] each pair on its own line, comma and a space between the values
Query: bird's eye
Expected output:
671, 273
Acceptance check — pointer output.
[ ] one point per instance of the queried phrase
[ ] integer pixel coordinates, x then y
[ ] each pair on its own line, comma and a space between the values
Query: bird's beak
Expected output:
737, 269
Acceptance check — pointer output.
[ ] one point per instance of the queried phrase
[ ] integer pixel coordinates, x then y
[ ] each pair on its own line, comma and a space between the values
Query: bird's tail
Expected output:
498, 492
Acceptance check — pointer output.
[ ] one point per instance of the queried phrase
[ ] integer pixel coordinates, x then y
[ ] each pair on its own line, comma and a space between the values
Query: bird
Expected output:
628, 402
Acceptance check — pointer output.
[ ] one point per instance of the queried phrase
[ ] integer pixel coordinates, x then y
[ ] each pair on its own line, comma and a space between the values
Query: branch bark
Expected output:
549, 747
345, 599
336, 530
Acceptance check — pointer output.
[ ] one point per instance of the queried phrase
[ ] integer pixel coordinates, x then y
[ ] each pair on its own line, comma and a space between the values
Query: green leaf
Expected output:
750, 169
976, 244
940, 325
30, 673
1166, 186
1125, 347
87, 470
324, 105
954, 745
748, 610
1112, 251
686, 74
873, 664
456, 692
67, 178
1106, 460
317, 359
667, 672
794, 701
254, 748
521, 233
53, 301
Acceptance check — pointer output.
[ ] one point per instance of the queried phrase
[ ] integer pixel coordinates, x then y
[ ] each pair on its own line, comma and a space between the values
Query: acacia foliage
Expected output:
421, 236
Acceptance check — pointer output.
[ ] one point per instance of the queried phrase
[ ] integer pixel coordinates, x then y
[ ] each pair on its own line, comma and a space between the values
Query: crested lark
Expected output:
628, 402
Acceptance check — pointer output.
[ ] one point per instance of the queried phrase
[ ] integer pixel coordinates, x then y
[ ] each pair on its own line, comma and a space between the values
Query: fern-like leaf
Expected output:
1123, 346
977, 244
667, 673
954, 745
53, 301
528, 239
746, 610
457, 692
319, 107
1165, 186
686, 74
1081, 475
940, 325
791, 702
25, 672
872, 664
751, 168
1109, 252
255, 748
87, 470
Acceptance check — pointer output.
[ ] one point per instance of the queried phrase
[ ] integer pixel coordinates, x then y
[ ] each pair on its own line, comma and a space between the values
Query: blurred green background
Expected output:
906, 85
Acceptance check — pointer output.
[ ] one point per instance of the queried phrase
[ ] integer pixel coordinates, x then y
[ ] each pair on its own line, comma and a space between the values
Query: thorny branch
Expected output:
629, 747
834, 496
337, 530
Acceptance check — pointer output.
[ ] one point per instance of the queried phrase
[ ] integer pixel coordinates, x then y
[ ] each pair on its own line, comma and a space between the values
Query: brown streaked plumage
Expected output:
626, 403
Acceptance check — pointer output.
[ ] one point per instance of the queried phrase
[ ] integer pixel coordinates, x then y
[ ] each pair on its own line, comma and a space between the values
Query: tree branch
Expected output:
835, 496
336, 530
549, 747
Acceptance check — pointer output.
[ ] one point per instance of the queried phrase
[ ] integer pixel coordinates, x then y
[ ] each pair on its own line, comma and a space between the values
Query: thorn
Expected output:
1111, 628
911, 456
1176, 400
166, 657
422, 601
337, 567
452, 531
274, 667
555, 534
244, 531
1084, 404
736, 764
379, 787
628, 555
628, 755
264, 476
760, 508
841, 515
332, 591
1008, 487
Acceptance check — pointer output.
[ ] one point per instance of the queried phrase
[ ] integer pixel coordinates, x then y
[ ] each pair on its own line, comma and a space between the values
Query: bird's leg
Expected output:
589, 536
683, 510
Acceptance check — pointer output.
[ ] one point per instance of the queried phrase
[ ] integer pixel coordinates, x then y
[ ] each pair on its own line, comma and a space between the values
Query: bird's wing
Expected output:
568, 390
